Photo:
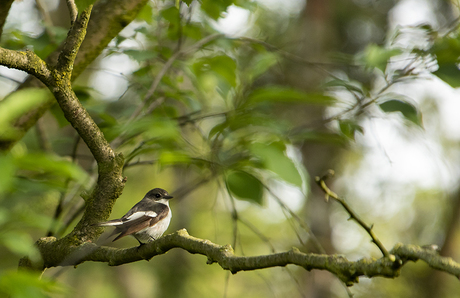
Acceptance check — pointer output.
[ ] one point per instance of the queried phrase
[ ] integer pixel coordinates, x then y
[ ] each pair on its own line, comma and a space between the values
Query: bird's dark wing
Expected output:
139, 220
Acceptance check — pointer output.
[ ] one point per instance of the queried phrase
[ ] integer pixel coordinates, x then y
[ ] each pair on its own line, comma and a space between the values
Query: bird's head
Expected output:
158, 195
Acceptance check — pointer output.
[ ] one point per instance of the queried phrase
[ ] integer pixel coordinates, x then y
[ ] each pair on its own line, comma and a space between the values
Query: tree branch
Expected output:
348, 271
73, 11
369, 229
26, 61
4, 9
110, 181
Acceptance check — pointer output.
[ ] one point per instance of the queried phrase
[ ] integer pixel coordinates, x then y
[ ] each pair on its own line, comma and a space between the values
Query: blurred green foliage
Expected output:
229, 116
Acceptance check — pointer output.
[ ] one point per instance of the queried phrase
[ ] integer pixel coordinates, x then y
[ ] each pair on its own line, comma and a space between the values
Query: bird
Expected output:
146, 221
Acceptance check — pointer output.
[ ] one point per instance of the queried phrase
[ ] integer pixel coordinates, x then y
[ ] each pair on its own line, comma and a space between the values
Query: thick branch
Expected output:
74, 112
409, 252
347, 271
110, 181
26, 61
72, 44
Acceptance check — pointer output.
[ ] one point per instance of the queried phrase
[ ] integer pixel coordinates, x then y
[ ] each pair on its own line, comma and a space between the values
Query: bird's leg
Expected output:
140, 244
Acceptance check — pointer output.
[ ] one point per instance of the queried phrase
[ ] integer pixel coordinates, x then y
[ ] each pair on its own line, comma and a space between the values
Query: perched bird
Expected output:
147, 220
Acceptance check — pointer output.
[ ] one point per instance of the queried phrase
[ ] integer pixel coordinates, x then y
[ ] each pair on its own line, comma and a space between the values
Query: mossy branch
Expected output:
58, 80
348, 271
26, 61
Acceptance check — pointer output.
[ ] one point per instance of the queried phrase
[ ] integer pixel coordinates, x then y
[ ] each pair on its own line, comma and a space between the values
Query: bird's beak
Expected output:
168, 197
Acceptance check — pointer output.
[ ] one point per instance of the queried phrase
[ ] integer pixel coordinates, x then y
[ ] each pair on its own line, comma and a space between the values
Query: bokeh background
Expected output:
399, 173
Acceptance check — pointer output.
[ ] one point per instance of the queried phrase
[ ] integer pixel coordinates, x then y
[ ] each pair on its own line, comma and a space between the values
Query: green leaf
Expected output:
245, 186
215, 8
349, 85
172, 15
50, 164
141, 55
193, 31
449, 73
146, 14
217, 70
174, 157
17, 104
20, 243
406, 109
273, 157
350, 128
319, 137
7, 173
377, 56
262, 63
287, 95
22, 284
446, 50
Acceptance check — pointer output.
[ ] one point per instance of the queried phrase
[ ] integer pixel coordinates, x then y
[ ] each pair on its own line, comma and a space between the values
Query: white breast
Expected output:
152, 233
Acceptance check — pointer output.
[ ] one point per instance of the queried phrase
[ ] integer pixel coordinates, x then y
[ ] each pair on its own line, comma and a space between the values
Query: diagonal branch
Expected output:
73, 110
4, 9
348, 271
369, 229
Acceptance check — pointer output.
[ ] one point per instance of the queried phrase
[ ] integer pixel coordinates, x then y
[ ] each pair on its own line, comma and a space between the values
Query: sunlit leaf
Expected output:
350, 128
408, 110
146, 14
222, 65
23, 284
20, 243
245, 186
377, 56
19, 103
50, 164
274, 159
174, 157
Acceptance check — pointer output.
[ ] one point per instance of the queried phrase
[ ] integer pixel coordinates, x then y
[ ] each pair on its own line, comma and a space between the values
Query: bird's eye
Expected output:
157, 195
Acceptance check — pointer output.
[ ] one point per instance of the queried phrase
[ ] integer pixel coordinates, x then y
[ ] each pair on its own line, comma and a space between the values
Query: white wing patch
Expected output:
140, 214
111, 223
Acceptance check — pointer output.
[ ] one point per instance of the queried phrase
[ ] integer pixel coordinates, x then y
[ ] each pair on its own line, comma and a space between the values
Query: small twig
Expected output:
301, 222
321, 181
43, 141
47, 20
72, 10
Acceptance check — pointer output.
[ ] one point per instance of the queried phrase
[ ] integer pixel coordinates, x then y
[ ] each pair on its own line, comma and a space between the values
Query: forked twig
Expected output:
321, 181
